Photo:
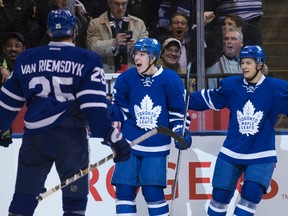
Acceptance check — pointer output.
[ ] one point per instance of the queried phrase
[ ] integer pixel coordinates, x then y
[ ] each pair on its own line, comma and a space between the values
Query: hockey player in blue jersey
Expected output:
65, 91
147, 96
254, 102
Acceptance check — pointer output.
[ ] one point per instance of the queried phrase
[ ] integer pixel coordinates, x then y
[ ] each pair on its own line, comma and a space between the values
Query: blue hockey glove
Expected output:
118, 144
6, 138
187, 139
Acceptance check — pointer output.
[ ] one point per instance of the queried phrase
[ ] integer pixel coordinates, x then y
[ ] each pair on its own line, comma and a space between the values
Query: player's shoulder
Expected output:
31, 54
166, 72
129, 74
276, 82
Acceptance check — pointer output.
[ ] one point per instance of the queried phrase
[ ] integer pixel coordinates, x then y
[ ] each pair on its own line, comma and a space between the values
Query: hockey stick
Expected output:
81, 173
187, 97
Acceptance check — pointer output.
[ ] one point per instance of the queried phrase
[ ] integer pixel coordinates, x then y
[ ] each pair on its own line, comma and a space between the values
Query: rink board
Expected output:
194, 189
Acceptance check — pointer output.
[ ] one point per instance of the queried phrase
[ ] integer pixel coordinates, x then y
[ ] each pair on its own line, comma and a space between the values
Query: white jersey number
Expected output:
56, 83
98, 75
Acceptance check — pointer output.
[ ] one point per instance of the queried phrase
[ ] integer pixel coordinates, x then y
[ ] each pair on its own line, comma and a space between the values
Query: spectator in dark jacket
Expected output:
15, 17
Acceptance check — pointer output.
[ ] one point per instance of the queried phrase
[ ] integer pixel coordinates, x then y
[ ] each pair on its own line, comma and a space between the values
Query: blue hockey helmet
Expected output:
61, 23
255, 52
149, 45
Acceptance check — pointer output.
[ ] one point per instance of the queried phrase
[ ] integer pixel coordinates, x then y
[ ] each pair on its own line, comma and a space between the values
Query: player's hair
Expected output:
61, 23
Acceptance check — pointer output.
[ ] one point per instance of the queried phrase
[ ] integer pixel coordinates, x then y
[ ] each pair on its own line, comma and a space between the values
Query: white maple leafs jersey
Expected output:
58, 83
253, 112
143, 103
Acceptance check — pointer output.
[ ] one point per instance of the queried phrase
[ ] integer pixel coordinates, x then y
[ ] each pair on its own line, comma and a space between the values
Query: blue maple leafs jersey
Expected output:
56, 82
253, 113
143, 103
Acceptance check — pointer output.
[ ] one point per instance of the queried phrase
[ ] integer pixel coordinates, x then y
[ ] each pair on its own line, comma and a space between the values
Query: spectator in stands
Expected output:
170, 54
13, 45
232, 43
214, 44
250, 13
168, 7
249, 35
106, 35
14, 17
178, 28
228, 62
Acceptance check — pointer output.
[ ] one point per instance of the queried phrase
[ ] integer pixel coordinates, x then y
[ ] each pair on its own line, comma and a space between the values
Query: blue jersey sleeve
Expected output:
214, 99
11, 102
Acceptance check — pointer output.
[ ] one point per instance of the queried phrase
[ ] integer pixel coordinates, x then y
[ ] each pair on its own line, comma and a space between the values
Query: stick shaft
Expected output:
187, 97
81, 173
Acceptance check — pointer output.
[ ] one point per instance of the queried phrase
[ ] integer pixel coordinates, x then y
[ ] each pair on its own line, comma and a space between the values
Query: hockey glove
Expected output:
187, 139
118, 144
6, 139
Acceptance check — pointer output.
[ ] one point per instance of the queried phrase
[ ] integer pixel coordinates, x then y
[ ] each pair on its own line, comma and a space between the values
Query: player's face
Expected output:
248, 66
141, 60
118, 8
12, 49
171, 55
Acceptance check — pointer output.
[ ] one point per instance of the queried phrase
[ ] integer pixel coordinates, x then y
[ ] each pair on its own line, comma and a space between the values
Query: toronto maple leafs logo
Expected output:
249, 120
146, 115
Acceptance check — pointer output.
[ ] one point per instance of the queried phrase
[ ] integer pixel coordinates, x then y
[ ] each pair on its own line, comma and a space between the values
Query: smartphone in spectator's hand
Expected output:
130, 33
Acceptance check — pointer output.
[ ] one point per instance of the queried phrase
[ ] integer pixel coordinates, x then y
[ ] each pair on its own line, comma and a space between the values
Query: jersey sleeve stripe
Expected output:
125, 110
42, 123
13, 109
209, 102
93, 92
87, 105
10, 94
176, 114
175, 119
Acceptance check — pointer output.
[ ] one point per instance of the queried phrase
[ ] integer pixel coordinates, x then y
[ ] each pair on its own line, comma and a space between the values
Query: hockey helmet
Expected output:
255, 52
61, 23
149, 45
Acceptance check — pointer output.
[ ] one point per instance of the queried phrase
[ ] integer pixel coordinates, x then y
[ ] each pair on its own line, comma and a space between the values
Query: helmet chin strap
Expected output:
143, 73
257, 71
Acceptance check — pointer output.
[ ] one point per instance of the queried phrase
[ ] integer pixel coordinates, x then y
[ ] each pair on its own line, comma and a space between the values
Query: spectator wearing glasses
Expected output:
178, 28
109, 35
